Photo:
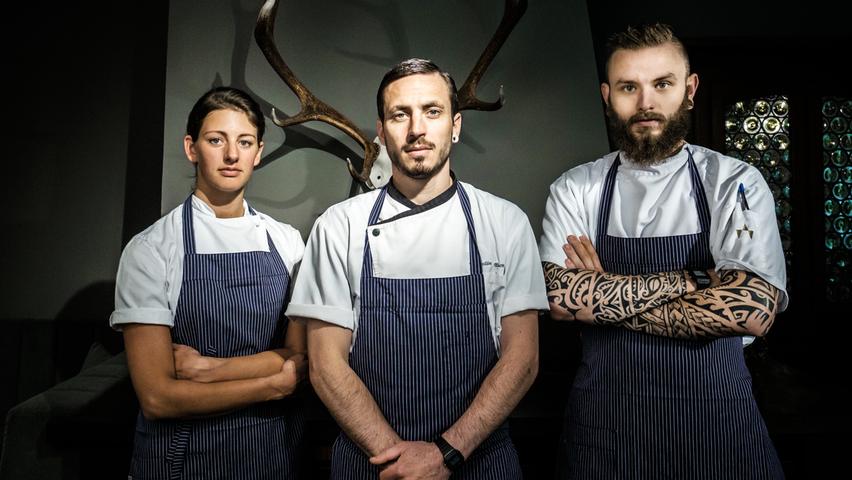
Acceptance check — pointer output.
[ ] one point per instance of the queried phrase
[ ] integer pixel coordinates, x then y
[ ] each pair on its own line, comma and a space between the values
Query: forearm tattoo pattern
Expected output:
658, 303
744, 304
608, 298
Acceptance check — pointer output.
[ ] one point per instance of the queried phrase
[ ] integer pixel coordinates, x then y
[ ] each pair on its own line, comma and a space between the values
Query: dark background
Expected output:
85, 94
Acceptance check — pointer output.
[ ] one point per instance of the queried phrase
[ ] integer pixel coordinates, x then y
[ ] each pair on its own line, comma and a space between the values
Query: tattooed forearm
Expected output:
744, 304
604, 298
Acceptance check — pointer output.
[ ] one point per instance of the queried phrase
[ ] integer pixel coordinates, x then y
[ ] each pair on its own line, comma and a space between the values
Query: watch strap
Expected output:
702, 280
453, 458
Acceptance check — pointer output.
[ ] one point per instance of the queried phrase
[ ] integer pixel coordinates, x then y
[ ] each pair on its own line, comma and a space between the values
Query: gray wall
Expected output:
552, 119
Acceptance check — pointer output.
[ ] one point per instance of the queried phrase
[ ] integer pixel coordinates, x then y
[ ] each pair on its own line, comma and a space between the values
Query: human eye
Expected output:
434, 112
215, 140
628, 88
246, 143
399, 116
663, 84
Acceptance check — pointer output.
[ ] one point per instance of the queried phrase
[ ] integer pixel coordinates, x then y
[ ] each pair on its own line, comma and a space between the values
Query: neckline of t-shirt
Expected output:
671, 164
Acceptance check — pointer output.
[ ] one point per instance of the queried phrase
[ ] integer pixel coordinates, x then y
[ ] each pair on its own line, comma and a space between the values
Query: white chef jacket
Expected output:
151, 267
430, 244
653, 201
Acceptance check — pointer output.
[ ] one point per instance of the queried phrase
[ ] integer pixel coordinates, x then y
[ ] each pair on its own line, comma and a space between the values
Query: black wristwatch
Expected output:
453, 458
702, 280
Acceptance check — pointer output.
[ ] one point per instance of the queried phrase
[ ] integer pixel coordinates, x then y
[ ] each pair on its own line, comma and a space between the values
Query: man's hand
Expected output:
581, 254
411, 460
190, 364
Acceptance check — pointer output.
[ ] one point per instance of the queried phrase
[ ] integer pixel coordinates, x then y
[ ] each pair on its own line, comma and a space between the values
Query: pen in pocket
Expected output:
742, 198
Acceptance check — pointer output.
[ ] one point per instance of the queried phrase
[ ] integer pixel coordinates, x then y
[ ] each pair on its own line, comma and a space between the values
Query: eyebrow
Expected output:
221, 132
669, 76
425, 106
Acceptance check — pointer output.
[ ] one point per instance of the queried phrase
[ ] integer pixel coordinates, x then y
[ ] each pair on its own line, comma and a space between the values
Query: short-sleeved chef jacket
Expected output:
432, 243
656, 201
151, 266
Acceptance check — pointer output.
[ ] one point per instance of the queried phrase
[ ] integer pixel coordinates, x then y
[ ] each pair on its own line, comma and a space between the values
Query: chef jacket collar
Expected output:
442, 198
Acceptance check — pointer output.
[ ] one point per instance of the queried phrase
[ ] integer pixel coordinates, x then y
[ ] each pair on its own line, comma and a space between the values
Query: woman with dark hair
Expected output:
200, 299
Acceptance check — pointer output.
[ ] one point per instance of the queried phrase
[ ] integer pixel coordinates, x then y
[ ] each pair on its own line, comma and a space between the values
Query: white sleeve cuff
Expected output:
342, 317
525, 302
148, 316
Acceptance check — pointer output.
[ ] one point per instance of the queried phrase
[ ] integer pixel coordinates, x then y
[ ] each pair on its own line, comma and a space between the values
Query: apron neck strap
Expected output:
699, 195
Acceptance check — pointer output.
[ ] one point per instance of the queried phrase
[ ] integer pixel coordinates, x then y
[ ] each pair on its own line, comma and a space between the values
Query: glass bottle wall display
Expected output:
758, 132
837, 178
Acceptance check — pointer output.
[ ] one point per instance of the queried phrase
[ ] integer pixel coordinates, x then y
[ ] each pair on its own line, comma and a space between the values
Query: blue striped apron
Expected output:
645, 406
230, 304
423, 348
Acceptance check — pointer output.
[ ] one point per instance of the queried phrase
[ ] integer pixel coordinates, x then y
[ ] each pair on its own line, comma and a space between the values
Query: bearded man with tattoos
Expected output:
669, 254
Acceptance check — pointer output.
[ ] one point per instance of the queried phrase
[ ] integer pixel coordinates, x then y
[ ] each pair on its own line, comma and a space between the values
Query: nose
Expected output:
416, 128
646, 100
231, 153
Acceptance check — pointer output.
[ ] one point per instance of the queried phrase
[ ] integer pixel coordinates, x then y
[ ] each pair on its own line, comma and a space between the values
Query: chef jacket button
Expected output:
375, 232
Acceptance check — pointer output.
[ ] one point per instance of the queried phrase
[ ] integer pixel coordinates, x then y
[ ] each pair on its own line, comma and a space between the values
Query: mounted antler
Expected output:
312, 107
315, 109
512, 13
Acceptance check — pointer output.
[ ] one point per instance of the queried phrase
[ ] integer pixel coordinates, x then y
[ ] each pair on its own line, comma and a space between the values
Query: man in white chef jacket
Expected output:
421, 300
669, 254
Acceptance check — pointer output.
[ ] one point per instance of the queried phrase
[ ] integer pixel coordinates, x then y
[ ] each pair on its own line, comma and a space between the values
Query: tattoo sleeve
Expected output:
606, 298
744, 304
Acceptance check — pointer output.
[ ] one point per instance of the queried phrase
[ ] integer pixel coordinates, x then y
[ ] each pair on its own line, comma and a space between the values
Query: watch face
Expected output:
453, 459
702, 280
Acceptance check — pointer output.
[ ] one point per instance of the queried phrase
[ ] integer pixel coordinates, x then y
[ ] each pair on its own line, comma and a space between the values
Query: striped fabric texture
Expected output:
423, 348
651, 407
229, 305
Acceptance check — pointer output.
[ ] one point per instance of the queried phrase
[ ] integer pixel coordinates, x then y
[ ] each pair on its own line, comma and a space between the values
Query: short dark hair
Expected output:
221, 98
415, 66
644, 36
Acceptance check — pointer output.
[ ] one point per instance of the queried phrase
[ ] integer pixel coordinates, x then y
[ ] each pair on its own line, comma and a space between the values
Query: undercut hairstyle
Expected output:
415, 66
225, 98
644, 36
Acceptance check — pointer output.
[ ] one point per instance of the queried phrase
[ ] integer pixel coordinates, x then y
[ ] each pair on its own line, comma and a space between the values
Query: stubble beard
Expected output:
643, 147
419, 170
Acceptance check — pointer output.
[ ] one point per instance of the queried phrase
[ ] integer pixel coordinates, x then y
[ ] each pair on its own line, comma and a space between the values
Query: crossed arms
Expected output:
665, 304
175, 381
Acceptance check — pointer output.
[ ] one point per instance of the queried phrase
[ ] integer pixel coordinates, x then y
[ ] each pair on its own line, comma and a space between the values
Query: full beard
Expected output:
644, 148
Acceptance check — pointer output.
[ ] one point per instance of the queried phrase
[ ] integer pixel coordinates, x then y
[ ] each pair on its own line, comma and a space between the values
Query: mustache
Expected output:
418, 144
643, 116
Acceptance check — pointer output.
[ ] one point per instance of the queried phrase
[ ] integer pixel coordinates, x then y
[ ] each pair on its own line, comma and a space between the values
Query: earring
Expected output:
455, 138
689, 104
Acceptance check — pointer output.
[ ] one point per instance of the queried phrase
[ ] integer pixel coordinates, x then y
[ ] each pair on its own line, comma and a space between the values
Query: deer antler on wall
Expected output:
512, 13
313, 108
